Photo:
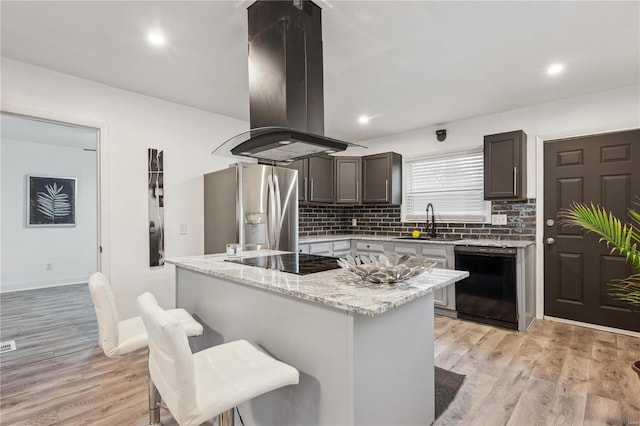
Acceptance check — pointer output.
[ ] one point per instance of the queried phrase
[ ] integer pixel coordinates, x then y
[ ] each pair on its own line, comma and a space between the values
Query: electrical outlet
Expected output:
183, 229
48, 266
498, 219
354, 222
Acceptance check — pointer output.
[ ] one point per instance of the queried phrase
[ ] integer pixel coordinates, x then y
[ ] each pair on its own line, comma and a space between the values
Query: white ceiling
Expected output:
411, 64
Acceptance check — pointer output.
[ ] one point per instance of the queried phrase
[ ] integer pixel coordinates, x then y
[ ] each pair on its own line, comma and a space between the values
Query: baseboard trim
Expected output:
594, 326
13, 287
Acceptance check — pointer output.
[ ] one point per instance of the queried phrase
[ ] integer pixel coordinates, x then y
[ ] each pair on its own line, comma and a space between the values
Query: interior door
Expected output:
600, 169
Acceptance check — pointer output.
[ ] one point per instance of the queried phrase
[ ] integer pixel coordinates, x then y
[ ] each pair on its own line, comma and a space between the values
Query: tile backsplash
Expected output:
385, 220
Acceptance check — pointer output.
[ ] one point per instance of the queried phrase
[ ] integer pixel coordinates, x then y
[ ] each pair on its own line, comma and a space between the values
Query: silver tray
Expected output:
382, 268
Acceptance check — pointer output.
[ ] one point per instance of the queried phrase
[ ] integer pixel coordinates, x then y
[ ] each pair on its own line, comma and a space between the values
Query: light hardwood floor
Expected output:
556, 374
47, 323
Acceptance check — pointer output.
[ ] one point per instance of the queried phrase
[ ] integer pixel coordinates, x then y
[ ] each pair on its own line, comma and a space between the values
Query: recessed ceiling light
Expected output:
284, 142
156, 38
555, 69
363, 119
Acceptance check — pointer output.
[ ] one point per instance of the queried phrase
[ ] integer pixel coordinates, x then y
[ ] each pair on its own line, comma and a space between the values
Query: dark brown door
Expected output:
600, 169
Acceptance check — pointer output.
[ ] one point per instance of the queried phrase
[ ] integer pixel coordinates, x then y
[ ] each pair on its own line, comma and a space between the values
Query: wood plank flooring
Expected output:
47, 323
557, 374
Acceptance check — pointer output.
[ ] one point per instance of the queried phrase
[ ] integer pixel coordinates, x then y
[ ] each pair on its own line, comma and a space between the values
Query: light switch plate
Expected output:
498, 219
354, 222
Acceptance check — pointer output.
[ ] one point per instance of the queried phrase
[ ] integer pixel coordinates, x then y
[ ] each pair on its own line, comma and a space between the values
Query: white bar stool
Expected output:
118, 338
197, 387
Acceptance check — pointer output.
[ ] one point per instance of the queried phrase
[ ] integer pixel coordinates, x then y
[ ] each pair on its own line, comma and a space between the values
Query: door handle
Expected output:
550, 241
278, 209
311, 198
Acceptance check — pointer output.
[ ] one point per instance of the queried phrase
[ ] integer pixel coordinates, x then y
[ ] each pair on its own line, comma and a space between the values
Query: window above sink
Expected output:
453, 183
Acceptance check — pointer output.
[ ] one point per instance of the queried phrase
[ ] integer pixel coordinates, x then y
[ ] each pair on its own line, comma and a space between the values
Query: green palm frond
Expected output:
627, 289
621, 237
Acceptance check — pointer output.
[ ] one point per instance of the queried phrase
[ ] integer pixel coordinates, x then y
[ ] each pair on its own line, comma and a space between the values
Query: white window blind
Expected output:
453, 183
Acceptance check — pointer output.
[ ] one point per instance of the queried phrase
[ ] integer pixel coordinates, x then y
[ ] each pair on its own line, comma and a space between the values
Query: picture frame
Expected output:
51, 201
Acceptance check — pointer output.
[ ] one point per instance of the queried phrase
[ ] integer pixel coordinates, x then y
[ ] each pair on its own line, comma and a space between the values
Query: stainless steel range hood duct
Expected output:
286, 101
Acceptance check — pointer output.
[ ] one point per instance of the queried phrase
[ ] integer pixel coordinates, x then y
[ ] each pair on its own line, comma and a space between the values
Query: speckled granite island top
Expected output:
331, 288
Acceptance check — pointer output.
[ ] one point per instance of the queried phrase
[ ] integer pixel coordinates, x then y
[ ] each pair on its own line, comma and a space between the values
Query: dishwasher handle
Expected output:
486, 251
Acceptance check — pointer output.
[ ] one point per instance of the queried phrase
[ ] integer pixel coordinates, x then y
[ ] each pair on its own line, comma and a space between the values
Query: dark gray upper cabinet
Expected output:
302, 166
505, 166
348, 176
315, 179
321, 179
382, 178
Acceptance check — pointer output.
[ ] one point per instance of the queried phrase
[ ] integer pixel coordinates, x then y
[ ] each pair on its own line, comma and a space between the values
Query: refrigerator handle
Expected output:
270, 212
278, 216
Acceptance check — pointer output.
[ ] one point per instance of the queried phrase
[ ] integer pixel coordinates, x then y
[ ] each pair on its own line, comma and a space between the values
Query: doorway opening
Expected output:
49, 215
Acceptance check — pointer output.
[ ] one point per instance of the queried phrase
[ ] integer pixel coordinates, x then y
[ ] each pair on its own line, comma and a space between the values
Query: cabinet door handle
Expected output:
357, 193
515, 180
311, 198
386, 190
305, 189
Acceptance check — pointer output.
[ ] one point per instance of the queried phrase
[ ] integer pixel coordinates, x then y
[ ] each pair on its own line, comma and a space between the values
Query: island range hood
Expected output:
286, 101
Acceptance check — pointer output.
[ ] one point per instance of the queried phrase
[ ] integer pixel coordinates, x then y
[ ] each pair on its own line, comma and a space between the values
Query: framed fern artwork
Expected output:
51, 201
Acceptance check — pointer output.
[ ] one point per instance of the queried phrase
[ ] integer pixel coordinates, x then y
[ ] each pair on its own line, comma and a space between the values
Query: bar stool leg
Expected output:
154, 404
226, 418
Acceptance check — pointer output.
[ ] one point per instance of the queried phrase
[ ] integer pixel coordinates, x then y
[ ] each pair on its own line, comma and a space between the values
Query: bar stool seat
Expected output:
197, 387
118, 338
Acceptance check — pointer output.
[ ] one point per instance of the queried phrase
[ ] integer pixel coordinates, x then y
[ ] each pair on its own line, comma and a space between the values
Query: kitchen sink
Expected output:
430, 238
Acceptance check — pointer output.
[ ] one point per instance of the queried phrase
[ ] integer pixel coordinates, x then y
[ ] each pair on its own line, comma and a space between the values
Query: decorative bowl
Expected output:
390, 268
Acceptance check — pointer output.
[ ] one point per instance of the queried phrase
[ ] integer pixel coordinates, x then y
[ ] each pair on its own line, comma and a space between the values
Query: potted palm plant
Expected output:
621, 237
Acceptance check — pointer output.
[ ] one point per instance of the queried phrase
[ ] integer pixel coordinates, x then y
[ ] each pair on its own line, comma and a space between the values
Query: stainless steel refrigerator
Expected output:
251, 204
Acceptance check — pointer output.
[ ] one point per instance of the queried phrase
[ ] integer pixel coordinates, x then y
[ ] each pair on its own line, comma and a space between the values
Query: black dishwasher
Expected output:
489, 294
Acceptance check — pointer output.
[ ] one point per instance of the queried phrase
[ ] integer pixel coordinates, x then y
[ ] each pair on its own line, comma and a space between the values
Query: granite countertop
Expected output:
332, 288
467, 242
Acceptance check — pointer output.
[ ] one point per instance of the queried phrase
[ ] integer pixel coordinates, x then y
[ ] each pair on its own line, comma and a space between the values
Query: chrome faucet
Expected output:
431, 228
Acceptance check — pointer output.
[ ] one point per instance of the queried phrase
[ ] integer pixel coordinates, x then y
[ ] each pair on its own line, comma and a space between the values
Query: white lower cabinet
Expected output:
341, 248
327, 248
369, 247
442, 254
322, 249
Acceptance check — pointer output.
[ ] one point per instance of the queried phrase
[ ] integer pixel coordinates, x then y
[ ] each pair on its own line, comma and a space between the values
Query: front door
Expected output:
601, 169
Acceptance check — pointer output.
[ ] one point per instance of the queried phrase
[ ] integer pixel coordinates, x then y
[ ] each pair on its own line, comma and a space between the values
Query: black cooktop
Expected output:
294, 263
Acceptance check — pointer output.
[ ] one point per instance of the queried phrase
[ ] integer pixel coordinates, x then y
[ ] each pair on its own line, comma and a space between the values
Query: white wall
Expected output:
130, 124
72, 251
601, 112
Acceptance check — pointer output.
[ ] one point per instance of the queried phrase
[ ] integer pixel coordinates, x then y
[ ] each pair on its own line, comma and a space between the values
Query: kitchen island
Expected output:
364, 352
